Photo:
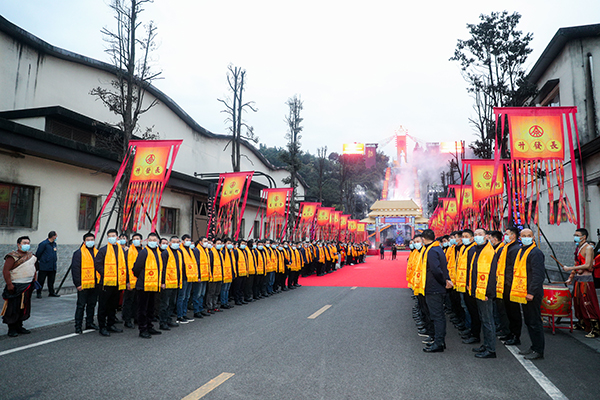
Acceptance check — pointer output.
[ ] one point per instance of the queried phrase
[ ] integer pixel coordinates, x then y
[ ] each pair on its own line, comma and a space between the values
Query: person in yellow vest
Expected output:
321, 259
129, 295
228, 272
267, 289
463, 269
240, 258
246, 248
189, 275
432, 281
281, 262
213, 288
171, 282
199, 288
528, 289
147, 270
260, 258
482, 287
504, 276
296, 266
111, 266
84, 280
458, 313
425, 326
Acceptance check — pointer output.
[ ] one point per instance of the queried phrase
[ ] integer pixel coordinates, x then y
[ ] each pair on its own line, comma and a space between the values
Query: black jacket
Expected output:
139, 268
46, 255
490, 291
513, 249
99, 262
437, 271
76, 265
536, 271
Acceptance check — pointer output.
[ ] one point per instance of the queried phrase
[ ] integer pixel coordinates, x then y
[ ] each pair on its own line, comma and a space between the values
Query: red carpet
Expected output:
373, 273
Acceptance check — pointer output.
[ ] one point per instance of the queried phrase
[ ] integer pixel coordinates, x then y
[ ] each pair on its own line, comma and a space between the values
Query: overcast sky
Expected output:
363, 69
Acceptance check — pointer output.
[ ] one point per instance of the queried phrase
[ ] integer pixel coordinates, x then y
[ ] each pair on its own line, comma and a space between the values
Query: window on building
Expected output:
563, 212
168, 221
256, 230
242, 234
16, 205
87, 211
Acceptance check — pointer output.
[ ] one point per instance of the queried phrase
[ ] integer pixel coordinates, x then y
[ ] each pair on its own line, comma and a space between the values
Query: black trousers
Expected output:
293, 278
532, 314
257, 285
320, 268
168, 302
457, 306
145, 309
435, 304
248, 283
474, 313
129, 305
425, 316
86, 301
513, 313
237, 288
502, 318
279, 281
108, 301
42, 275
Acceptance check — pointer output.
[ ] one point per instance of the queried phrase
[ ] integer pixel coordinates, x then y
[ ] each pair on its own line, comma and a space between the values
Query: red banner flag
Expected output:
344, 221
232, 186
277, 200
370, 155
323, 215
309, 210
482, 173
352, 225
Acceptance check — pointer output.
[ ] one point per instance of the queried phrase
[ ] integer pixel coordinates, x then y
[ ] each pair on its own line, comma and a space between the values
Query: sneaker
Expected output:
188, 319
182, 320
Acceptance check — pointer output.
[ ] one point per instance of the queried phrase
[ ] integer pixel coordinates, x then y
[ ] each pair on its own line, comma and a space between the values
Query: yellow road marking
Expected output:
208, 387
321, 311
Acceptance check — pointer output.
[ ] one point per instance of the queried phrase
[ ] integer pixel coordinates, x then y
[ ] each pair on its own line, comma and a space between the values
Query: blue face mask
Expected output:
122, 242
219, 246
577, 239
479, 240
187, 243
411, 246
25, 247
89, 243
136, 242
112, 240
254, 246
526, 241
192, 245
506, 239
242, 246
260, 247
175, 246
230, 246
418, 246
152, 245
466, 241
280, 248
164, 246
452, 242
273, 246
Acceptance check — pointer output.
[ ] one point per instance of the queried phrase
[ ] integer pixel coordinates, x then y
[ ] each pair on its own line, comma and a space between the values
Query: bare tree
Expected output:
321, 155
291, 157
132, 58
234, 108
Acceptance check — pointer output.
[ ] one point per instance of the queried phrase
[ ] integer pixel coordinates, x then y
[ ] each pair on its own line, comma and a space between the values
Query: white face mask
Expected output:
112, 240
187, 243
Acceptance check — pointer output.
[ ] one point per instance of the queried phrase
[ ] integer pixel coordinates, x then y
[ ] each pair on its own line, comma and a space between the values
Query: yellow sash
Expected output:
217, 268
461, 268
421, 270
518, 290
410, 268
152, 272
88, 272
242, 269
132, 254
171, 280
251, 266
279, 256
110, 267
271, 260
204, 262
451, 258
191, 264
484, 264
501, 270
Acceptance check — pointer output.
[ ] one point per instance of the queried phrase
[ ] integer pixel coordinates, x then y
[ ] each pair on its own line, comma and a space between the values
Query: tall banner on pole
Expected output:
277, 211
370, 155
233, 190
152, 165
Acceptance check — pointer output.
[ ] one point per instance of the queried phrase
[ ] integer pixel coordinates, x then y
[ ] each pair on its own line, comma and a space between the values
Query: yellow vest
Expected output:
251, 266
173, 270
191, 264
112, 277
204, 261
501, 271
421, 270
461, 268
152, 272
518, 290
217, 267
132, 255
451, 259
484, 264
88, 272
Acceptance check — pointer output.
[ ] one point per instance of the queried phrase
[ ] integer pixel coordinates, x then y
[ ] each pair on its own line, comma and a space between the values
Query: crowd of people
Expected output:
161, 279
488, 283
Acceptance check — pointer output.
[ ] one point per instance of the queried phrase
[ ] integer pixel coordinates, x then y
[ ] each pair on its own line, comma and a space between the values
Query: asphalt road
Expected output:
364, 347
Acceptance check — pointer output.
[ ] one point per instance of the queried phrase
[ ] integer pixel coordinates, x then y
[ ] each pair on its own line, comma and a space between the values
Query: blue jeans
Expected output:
270, 282
486, 315
198, 292
225, 293
182, 298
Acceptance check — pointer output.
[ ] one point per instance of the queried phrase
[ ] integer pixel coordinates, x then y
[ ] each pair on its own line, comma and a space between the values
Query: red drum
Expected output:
556, 301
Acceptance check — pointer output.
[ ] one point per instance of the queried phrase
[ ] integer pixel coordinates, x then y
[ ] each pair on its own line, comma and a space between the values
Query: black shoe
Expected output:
53, 295
104, 332
434, 349
92, 326
486, 354
429, 340
291, 287
244, 302
13, 334
145, 335
422, 331
78, 330
471, 340
504, 338
513, 342
285, 289
118, 321
198, 315
248, 300
164, 327
22, 331
479, 349
298, 285
128, 324
182, 320
153, 331
465, 332
534, 356
217, 310
172, 325
525, 352
39, 295
433, 344
114, 329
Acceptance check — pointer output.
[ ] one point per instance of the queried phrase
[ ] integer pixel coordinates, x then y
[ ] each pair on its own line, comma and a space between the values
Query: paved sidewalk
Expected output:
48, 311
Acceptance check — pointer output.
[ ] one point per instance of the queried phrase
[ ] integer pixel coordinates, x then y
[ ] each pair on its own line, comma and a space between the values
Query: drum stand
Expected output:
553, 325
